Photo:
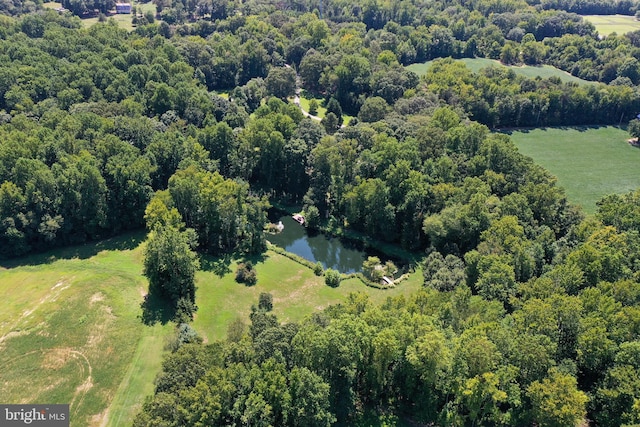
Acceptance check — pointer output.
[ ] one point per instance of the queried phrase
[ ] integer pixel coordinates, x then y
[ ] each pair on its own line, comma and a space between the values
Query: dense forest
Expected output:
530, 311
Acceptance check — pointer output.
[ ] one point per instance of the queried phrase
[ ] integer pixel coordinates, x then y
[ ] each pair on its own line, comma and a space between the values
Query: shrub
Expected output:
312, 217
265, 301
183, 334
313, 107
318, 269
246, 274
372, 269
332, 278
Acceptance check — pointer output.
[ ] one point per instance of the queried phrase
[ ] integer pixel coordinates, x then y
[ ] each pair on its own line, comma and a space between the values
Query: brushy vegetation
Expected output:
297, 258
246, 274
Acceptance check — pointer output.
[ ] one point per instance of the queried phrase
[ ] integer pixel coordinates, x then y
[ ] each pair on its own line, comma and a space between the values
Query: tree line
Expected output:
125, 125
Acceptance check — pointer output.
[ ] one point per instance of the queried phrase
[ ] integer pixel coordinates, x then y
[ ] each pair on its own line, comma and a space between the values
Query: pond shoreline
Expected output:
347, 240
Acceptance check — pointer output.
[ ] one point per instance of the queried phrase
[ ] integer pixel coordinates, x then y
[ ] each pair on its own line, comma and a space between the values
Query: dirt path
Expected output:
296, 101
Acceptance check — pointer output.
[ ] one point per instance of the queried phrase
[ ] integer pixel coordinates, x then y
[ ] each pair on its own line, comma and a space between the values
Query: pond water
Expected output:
331, 252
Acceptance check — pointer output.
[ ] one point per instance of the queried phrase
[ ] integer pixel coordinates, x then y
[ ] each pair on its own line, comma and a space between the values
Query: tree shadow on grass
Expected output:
579, 128
256, 258
220, 265
125, 241
217, 265
156, 309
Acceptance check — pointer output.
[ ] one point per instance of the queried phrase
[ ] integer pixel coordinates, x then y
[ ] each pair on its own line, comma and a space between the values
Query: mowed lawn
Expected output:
296, 292
52, 5
304, 104
477, 64
608, 24
588, 162
71, 332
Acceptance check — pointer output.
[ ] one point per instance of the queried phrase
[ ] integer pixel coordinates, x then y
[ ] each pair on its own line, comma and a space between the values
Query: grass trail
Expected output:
138, 381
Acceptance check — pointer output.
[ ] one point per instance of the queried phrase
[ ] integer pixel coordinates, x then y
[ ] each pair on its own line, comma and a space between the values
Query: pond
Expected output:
331, 252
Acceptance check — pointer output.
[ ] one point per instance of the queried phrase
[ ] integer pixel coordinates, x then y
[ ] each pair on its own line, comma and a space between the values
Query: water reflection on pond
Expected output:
331, 252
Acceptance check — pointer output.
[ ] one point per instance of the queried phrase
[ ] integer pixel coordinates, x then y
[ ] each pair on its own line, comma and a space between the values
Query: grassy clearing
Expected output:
123, 20
296, 291
589, 162
52, 5
304, 103
69, 330
476, 64
609, 24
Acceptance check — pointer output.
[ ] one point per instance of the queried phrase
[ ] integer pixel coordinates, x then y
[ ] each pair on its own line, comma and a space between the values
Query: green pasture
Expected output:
71, 329
608, 24
476, 64
588, 162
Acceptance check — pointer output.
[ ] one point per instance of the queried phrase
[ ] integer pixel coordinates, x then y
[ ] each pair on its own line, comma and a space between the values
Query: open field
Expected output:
69, 331
589, 162
70, 327
52, 5
123, 20
608, 24
476, 64
304, 103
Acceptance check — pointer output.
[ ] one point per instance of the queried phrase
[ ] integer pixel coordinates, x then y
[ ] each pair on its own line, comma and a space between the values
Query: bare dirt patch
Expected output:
83, 388
56, 358
97, 297
101, 327
99, 419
